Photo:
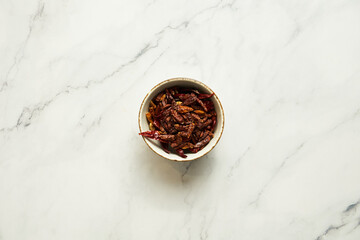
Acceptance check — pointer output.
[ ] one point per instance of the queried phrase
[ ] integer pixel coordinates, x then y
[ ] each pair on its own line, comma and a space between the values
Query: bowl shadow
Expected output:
176, 173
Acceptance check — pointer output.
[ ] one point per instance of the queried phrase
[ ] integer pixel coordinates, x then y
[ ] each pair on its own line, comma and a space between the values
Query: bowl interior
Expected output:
188, 83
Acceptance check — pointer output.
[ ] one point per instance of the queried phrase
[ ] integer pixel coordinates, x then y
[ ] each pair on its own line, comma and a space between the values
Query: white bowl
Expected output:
188, 83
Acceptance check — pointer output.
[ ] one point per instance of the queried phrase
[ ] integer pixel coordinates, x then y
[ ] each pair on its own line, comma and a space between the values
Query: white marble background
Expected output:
73, 75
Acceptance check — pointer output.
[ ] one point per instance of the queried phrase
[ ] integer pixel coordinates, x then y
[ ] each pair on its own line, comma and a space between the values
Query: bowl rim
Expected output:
188, 80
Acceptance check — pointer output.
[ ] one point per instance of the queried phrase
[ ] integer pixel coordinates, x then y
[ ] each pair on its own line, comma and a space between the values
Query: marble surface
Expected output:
73, 75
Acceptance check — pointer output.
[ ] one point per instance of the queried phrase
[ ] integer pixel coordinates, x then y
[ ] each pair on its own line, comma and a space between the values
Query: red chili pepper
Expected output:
203, 96
156, 123
189, 100
177, 116
165, 147
150, 134
203, 142
167, 137
194, 150
179, 95
158, 112
209, 104
213, 118
153, 135
168, 95
181, 153
202, 104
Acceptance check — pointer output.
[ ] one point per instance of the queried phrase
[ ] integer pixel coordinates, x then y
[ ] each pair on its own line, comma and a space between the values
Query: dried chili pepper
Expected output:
181, 118
203, 142
165, 147
209, 105
181, 153
189, 99
203, 96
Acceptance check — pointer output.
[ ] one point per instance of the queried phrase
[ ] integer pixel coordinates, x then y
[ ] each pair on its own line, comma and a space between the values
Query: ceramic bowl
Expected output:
187, 83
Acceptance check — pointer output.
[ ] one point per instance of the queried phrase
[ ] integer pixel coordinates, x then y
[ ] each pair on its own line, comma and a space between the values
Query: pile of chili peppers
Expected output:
181, 118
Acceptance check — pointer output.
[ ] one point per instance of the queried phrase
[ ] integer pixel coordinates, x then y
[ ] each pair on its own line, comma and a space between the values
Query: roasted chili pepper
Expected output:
189, 99
165, 147
203, 142
213, 118
194, 150
203, 96
185, 109
181, 153
209, 104
149, 117
202, 104
179, 95
182, 118
151, 134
